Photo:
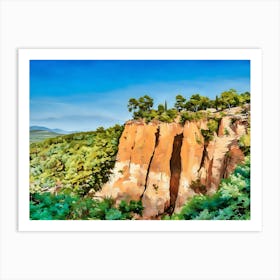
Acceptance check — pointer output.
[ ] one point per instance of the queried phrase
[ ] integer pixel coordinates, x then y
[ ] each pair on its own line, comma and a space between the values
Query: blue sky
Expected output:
82, 95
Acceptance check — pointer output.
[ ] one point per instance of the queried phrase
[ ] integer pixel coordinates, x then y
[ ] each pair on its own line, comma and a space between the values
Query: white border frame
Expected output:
254, 55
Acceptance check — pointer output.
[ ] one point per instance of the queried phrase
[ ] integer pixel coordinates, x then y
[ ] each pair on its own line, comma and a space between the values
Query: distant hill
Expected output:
40, 133
55, 130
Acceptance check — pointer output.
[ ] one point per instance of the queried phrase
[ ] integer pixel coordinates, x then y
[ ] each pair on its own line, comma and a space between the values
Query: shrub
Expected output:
207, 134
213, 125
198, 187
190, 116
47, 206
226, 132
245, 143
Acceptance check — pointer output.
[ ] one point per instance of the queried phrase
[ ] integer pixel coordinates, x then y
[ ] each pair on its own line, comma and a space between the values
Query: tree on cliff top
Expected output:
245, 97
229, 99
198, 102
180, 103
141, 106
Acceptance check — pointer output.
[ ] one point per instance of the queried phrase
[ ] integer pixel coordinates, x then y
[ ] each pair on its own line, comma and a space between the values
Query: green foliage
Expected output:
212, 126
198, 102
245, 97
140, 107
226, 132
230, 202
131, 207
188, 110
46, 206
80, 161
229, 99
161, 109
49, 207
245, 143
207, 135
167, 116
216, 102
192, 116
198, 187
180, 103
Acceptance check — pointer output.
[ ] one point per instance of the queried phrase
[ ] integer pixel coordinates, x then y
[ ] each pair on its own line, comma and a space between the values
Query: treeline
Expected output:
142, 108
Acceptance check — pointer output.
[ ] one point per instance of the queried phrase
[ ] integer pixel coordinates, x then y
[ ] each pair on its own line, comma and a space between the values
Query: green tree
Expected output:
145, 103
198, 102
217, 103
229, 99
140, 107
205, 102
165, 105
132, 104
180, 103
161, 108
245, 97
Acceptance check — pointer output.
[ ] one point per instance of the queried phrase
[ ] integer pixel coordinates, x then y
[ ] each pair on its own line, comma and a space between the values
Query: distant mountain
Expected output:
55, 130
35, 127
40, 133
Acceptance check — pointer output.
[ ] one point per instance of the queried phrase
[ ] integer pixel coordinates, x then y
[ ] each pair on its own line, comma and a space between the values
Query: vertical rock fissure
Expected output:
204, 155
219, 124
175, 170
151, 159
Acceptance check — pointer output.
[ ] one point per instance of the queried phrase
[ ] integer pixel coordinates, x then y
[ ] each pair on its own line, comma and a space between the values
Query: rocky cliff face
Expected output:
164, 164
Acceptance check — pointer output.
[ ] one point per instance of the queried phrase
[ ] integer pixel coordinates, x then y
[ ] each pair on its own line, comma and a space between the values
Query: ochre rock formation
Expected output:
164, 164
156, 198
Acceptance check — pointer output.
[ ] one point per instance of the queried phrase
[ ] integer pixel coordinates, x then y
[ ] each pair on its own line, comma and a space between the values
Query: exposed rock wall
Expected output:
164, 164
156, 198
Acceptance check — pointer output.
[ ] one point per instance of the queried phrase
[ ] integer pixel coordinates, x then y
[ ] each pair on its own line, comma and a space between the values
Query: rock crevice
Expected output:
151, 159
175, 169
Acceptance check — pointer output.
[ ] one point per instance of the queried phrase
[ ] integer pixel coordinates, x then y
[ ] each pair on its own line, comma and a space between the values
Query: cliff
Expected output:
164, 164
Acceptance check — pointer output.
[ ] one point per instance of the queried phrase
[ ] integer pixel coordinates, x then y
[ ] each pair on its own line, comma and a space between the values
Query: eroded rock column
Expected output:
191, 156
136, 148
156, 198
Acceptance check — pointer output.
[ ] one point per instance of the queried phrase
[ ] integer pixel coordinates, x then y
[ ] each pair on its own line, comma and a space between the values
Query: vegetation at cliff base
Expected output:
230, 202
47, 206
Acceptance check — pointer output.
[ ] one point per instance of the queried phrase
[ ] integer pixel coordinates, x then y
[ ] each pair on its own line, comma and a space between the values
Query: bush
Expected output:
47, 206
198, 187
245, 143
207, 135
213, 125
192, 116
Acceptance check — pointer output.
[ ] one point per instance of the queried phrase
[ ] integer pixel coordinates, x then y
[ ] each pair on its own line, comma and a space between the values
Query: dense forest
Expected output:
67, 171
